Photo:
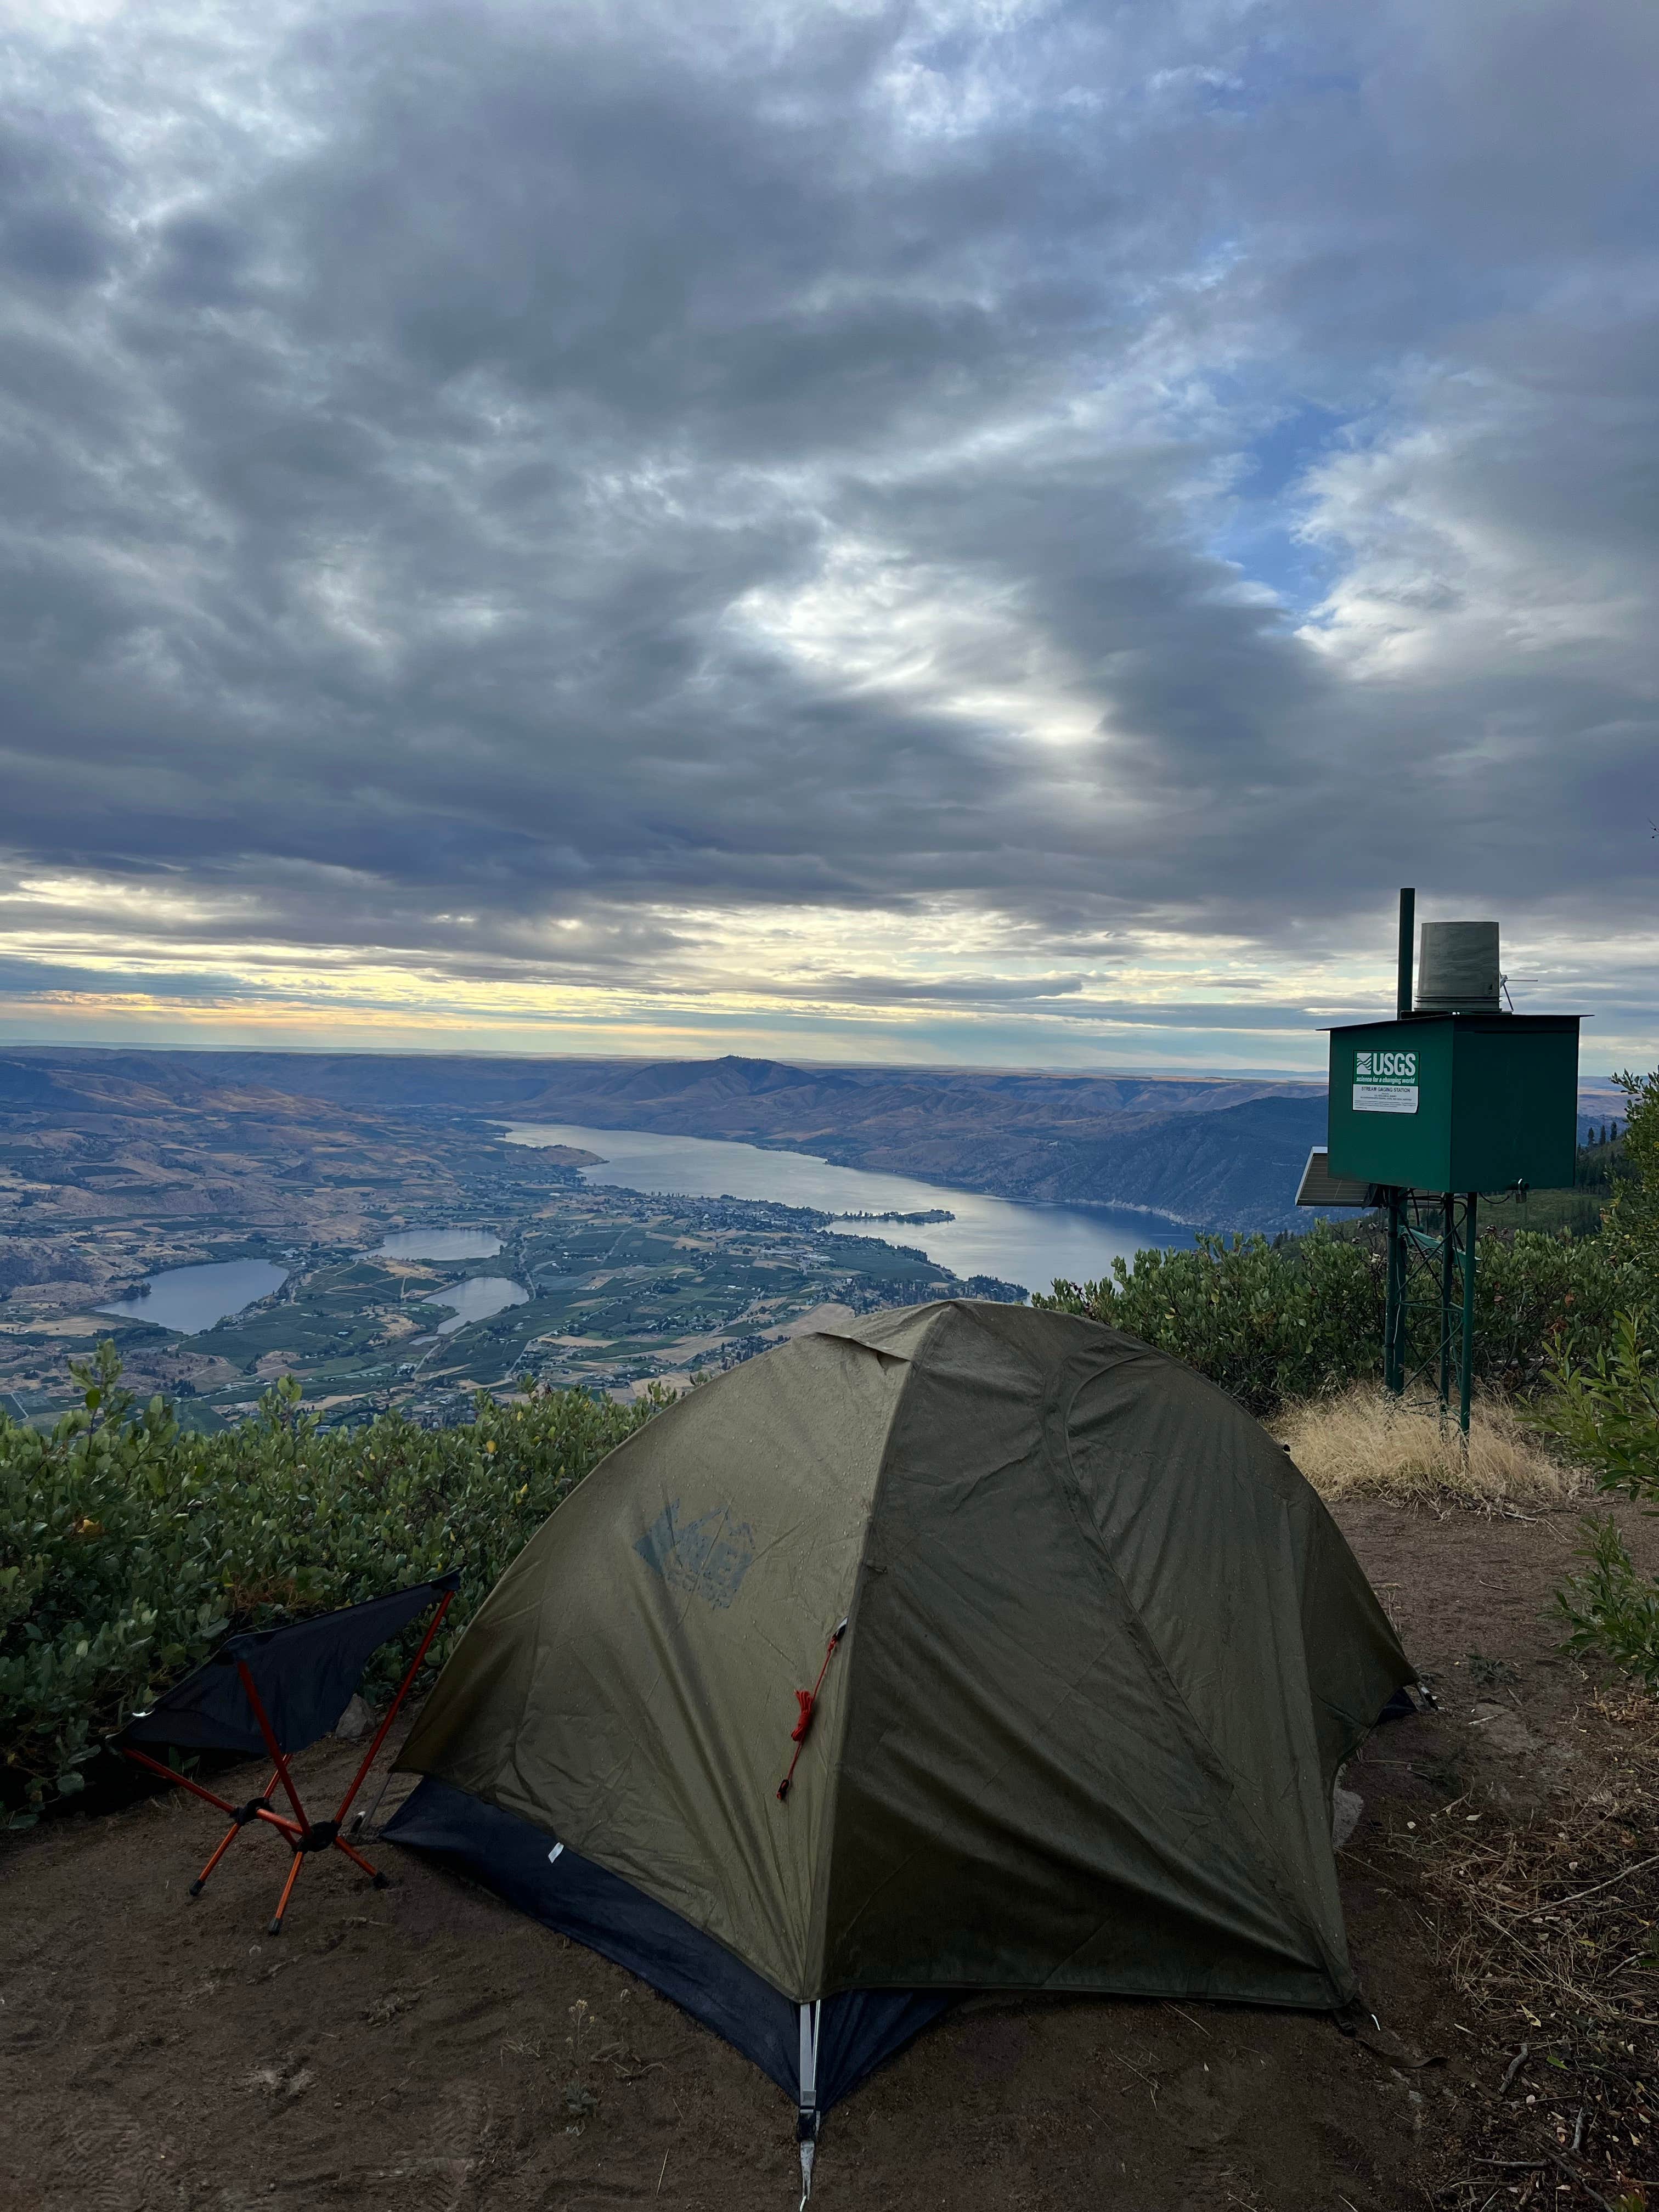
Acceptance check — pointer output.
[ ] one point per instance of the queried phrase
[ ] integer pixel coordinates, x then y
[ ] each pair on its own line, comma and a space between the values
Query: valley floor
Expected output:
427, 2046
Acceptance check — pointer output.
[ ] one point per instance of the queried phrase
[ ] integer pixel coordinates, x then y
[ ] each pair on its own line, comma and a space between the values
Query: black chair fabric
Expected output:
305, 1672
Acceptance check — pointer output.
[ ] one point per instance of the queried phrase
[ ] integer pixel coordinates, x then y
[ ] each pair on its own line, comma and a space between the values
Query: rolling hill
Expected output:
1212, 1153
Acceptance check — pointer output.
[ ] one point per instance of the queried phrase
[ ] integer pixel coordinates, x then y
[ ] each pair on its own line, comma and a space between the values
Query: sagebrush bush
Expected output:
1302, 1316
128, 1547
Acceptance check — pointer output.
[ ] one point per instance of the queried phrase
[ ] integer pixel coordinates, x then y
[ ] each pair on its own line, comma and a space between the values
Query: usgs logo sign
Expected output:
1376, 1067
1385, 1083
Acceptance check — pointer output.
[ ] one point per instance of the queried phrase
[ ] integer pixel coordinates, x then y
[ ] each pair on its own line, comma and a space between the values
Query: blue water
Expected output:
1028, 1245
438, 1244
476, 1299
190, 1300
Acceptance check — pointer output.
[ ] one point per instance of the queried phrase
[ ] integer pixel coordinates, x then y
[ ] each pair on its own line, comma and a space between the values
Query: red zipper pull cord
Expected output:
808, 1700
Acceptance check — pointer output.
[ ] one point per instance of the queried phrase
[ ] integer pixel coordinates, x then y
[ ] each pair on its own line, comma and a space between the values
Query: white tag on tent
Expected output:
554, 1853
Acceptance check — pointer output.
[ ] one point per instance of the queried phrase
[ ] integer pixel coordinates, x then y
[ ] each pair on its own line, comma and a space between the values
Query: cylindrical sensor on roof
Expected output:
1457, 970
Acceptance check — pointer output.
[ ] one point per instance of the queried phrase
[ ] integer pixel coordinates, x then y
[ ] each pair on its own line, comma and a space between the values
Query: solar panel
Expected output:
1319, 1186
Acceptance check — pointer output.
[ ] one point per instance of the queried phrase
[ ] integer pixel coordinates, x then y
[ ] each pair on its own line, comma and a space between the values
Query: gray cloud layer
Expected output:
504, 489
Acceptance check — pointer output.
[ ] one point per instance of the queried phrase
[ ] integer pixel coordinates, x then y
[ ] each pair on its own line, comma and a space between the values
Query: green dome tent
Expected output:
963, 1648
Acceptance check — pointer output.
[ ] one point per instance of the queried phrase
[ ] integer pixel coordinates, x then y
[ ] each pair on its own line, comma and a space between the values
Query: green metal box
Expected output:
1456, 1101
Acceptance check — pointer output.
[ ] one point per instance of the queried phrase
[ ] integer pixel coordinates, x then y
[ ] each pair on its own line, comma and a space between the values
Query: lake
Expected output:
438, 1244
475, 1299
1029, 1244
190, 1300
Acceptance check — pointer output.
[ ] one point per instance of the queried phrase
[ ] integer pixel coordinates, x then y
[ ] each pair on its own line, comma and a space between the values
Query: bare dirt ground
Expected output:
426, 2046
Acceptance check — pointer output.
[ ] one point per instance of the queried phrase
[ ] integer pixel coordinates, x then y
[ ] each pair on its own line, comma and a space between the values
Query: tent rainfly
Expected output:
963, 1648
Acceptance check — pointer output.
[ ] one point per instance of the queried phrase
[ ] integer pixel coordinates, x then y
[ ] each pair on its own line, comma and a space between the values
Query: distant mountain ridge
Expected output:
1207, 1153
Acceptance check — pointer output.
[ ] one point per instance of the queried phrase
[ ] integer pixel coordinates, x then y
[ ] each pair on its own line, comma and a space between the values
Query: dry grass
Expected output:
1366, 1444
1544, 1928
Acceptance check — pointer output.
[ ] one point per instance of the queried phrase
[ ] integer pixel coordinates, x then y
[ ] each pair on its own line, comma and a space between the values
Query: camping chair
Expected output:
271, 1693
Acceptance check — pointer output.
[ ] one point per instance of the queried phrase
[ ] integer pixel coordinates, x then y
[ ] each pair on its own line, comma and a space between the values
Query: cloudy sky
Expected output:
950, 530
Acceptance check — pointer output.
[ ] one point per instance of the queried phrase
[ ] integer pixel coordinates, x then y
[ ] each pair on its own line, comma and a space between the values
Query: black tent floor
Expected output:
858, 2029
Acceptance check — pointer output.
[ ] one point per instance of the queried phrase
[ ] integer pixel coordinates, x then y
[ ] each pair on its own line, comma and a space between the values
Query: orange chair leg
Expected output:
276, 1927
201, 1880
237, 1826
381, 1882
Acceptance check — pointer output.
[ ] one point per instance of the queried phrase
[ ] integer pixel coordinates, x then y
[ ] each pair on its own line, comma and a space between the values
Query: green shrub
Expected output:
1303, 1314
1607, 1413
1610, 1608
1632, 1218
1266, 1320
128, 1547
1541, 1299
1605, 1406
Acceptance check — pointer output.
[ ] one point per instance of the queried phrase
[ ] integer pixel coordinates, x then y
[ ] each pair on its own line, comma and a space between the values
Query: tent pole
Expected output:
806, 2110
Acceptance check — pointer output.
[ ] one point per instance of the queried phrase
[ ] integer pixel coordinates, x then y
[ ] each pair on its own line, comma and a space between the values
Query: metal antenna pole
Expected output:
1402, 996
